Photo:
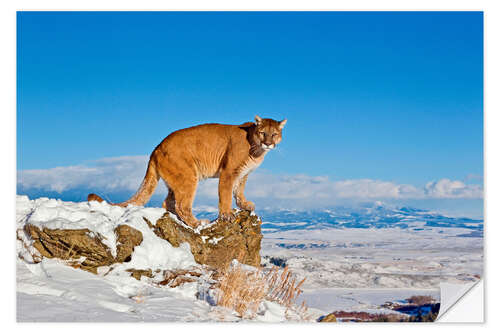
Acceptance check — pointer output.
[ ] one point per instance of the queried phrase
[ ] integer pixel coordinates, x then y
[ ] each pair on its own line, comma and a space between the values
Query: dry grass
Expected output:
282, 287
243, 290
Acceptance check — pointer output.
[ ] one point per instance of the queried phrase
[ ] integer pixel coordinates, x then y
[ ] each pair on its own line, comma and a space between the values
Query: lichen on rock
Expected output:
219, 243
127, 238
75, 244
329, 318
71, 245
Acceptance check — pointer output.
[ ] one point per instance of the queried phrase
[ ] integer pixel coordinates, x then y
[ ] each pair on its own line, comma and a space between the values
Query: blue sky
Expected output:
390, 97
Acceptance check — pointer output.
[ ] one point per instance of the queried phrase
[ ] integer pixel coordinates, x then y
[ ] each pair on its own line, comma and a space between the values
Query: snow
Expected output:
215, 240
362, 300
54, 292
349, 269
103, 218
377, 258
72, 295
69, 295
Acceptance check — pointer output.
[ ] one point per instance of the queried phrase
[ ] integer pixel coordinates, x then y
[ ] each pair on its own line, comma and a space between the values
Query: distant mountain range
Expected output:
360, 217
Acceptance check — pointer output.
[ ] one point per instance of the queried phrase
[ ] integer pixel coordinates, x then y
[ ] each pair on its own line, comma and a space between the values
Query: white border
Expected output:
8, 132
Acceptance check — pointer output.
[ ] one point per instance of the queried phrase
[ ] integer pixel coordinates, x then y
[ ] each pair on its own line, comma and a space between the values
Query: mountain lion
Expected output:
186, 156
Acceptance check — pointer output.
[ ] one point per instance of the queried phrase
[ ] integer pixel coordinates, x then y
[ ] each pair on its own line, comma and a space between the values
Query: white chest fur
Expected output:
249, 166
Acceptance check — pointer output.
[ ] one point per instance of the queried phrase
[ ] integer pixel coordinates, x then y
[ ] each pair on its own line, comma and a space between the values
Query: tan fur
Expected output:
227, 152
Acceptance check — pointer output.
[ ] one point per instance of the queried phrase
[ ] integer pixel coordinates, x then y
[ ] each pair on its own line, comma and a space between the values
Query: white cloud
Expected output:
110, 174
446, 188
373, 189
124, 174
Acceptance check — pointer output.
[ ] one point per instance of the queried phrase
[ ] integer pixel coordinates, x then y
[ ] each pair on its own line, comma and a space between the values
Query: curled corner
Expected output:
461, 302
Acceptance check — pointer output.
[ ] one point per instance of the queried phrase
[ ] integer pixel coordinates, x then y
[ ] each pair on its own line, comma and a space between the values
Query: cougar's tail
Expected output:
144, 192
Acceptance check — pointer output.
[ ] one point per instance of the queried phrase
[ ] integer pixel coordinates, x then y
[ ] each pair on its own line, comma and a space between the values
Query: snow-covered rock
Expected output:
91, 235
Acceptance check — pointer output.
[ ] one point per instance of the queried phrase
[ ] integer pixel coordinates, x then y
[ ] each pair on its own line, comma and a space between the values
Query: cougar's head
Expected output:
267, 132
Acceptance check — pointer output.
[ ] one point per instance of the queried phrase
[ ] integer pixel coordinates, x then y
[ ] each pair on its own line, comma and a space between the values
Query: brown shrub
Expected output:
421, 300
243, 290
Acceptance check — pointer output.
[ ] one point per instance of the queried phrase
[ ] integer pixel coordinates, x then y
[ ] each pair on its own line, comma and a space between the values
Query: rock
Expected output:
139, 273
329, 318
73, 244
361, 316
176, 278
219, 243
127, 238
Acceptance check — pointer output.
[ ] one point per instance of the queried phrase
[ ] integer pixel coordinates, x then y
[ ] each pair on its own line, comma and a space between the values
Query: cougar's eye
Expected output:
274, 135
261, 133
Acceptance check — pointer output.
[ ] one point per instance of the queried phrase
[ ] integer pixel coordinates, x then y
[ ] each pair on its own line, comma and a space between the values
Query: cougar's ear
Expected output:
282, 123
258, 120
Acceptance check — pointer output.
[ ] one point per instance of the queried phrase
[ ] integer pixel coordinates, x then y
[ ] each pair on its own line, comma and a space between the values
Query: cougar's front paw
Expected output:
193, 223
247, 205
226, 217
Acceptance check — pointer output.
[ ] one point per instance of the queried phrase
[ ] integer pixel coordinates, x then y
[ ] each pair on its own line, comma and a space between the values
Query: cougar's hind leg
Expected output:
181, 192
169, 203
184, 197
181, 178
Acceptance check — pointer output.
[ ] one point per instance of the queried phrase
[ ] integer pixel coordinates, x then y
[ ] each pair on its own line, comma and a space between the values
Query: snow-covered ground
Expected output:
347, 267
53, 292
377, 258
